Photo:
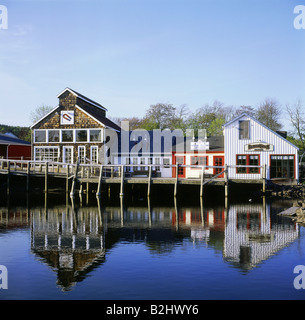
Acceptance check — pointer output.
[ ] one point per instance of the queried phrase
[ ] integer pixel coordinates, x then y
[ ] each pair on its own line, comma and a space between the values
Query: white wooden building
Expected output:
247, 142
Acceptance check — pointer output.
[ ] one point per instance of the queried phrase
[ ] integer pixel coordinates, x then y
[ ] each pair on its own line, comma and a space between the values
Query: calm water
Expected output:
146, 251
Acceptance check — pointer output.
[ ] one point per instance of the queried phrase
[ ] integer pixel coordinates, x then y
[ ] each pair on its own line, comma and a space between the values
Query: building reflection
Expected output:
74, 241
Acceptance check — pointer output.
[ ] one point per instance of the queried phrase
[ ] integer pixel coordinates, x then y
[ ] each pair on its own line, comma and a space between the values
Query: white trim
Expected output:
74, 93
78, 148
97, 153
46, 147
99, 122
74, 136
253, 119
64, 148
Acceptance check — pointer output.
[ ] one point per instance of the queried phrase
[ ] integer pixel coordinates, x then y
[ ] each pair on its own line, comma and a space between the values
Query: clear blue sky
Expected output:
129, 54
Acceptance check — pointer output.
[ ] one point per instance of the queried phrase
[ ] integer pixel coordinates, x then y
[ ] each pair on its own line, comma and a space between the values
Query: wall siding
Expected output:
258, 133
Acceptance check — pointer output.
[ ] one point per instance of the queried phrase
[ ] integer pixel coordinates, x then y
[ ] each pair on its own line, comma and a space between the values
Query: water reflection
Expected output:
74, 240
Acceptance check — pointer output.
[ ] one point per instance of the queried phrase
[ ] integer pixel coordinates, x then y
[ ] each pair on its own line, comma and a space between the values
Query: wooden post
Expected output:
149, 181
226, 181
122, 181
264, 178
67, 179
28, 177
8, 177
176, 182
201, 183
99, 187
46, 178
74, 180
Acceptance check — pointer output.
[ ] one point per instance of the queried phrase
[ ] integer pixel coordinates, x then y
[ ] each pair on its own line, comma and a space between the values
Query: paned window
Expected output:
248, 160
244, 129
282, 166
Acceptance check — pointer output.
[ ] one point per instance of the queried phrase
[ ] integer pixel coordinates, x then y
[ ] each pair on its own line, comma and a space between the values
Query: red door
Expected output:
181, 170
219, 162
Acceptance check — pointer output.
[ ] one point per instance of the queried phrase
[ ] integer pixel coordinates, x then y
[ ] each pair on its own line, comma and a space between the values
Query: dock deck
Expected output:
113, 174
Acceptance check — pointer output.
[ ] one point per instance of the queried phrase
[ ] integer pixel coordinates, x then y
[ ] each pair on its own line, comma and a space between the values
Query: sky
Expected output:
130, 54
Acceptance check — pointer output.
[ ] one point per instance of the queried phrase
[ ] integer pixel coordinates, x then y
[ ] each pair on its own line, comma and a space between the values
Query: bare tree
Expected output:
297, 121
39, 113
269, 113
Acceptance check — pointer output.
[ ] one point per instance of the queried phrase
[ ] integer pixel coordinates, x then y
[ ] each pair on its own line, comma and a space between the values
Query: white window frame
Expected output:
92, 148
64, 153
45, 148
74, 135
82, 159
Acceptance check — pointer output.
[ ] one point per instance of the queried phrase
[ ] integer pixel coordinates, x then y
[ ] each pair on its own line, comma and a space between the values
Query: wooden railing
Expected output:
97, 173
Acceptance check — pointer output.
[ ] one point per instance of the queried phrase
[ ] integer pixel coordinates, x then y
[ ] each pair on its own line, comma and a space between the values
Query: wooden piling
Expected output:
264, 178
46, 178
74, 180
99, 186
226, 181
8, 178
149, 182
201, 182
28, 177
176, 182
122, 181
67, 179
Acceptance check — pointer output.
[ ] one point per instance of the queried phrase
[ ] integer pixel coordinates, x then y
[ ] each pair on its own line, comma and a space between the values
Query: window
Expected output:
95, 135
127, 162
40, 136
199, 161
67, 136
46, 154
53, 135
94, 154
254, 161
166, 163
142, 161
81, 135
247, 160
282, 167
157, 162
135, 162
82, 154
244, 132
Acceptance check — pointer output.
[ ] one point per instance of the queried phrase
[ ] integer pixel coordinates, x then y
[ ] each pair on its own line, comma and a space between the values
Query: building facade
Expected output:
13, 148
75, 129
247, 142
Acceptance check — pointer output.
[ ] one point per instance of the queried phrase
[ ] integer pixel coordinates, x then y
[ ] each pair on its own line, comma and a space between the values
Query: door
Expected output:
218, 162
68, 154
181, 170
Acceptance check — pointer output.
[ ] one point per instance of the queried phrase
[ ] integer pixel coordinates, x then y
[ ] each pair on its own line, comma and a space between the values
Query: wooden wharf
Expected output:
85, 174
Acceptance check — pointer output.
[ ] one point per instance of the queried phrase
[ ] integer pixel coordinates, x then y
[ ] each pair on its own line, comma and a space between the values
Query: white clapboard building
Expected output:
247, 142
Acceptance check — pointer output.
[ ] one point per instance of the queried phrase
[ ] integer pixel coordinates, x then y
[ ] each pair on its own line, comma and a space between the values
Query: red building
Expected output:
14, 148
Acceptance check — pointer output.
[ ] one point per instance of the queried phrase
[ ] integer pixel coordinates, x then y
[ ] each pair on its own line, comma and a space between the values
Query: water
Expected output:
141, 251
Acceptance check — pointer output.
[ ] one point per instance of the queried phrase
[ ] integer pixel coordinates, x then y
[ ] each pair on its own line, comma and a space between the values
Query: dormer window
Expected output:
244, 129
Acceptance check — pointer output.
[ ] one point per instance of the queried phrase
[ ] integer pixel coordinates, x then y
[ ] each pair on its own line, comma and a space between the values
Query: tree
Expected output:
297, 122
211, 118
269, 114
245, 109
160, 116
39, 113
